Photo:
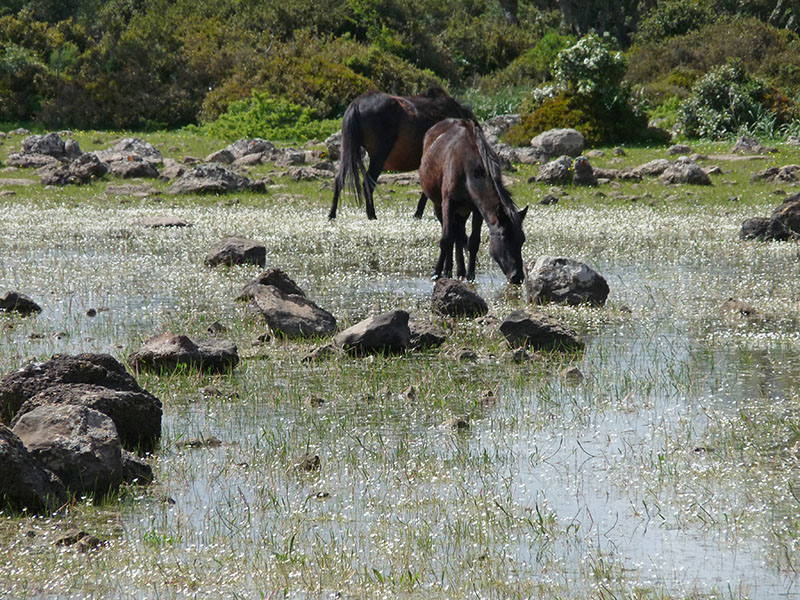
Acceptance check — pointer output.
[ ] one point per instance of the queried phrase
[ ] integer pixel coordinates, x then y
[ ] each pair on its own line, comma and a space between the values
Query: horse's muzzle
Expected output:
516, 278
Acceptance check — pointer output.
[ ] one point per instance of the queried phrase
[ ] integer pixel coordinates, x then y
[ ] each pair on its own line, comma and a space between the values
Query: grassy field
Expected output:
670, 470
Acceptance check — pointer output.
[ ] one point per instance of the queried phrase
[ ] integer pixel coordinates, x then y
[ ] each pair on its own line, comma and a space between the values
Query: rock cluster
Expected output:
75, 422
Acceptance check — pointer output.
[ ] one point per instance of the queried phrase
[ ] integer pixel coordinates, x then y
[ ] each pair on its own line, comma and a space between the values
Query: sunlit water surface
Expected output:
600, 456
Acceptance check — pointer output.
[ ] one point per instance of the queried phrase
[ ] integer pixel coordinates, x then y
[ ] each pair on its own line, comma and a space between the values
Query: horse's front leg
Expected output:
446, 242
474, 243
461, 241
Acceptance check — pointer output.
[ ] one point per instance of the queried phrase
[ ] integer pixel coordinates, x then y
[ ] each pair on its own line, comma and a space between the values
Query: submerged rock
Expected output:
236, 250
453, 298
538, 331
15, 302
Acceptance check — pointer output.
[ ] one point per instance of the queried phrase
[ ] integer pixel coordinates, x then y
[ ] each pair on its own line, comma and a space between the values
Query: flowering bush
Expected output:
722, 102
590, 67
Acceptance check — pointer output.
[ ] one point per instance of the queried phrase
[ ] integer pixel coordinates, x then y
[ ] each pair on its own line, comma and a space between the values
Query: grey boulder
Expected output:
564, 281
78, 444
292, 315
387, 333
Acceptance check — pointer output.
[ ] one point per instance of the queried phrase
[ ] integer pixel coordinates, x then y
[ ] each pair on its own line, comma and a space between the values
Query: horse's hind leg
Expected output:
337, 189
473, 243
446, 242
370, 181
423, 199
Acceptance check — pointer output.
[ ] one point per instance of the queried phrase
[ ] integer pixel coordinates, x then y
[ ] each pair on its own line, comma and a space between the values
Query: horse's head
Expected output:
505, 245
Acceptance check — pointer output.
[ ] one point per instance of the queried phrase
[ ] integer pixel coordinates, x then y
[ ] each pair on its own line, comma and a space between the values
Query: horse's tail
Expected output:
491, 164
351, 166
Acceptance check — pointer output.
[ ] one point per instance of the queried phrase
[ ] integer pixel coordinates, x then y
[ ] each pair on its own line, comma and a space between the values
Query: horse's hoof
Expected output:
372, 217
435, 276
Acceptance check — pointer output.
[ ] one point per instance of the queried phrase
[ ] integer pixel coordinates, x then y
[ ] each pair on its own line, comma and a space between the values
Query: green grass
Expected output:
670, 471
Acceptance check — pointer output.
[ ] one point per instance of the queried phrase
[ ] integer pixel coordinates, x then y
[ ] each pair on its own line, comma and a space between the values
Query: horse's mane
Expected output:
491, 162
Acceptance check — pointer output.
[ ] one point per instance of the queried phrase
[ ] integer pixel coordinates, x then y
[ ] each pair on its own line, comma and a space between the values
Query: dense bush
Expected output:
727, 100
765, 52
269, 118
164, 63
671, 18
588, 114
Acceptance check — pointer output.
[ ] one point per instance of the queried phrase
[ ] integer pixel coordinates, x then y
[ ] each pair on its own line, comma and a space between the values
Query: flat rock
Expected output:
78, 444
25, 484
236, 250
453, 298
564, 281
170, 351
524, 329
9, 182
159, 222
30, 161
387, 333
292, 315
132, 189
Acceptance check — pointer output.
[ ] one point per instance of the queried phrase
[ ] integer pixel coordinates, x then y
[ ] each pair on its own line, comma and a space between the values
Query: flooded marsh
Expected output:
671, 469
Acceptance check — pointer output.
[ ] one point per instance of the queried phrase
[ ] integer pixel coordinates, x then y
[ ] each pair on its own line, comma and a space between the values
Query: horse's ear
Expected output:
522, 213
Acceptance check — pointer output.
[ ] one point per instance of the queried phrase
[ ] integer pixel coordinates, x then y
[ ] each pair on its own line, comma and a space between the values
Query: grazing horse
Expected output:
460, 174
390, 129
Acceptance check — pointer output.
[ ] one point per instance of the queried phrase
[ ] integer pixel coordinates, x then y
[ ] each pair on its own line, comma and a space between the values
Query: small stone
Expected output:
308, 463
572, 375
455, 424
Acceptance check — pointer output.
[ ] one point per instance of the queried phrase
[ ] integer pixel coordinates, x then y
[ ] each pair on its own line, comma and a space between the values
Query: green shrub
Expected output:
532, 67
587, 113
671, 18
269, 118
721, 103
765, 52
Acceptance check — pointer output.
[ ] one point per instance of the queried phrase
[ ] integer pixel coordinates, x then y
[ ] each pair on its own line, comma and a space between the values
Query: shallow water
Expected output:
624, 481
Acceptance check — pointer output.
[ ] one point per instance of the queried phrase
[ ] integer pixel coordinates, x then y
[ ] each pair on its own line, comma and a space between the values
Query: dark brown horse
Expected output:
460, 174
390, 129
